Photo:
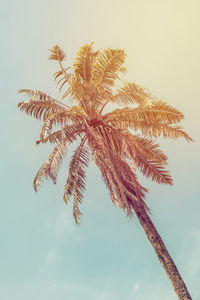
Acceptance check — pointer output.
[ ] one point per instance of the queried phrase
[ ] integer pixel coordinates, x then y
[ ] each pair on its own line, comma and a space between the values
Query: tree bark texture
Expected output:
162, 253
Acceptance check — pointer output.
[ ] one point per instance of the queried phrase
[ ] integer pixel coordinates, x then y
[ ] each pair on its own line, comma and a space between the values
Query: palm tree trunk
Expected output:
162, 253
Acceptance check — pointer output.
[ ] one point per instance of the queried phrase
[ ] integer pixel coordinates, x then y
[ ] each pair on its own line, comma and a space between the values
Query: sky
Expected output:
43, 254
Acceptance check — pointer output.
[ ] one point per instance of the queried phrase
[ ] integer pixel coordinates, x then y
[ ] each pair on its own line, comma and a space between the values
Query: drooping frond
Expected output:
156, 112
111, 180
147, 157
144, 146
40, 109
51, 166
153, 169
117, 174
72, 115
57, 54
40, 104
76, 179
68, 133
107, 65
120, 180
167, 131
83, 62
41, 96
131, 93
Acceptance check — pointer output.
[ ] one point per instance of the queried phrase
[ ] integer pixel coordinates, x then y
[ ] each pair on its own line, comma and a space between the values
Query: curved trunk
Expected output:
162, 253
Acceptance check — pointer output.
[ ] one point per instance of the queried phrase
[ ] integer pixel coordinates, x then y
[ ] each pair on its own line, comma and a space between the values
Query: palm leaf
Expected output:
51, 166
153, 169
119, 178
40, 105
132, 93
57, 54
143, 146
83, 62
156, 112
64, 79
35, 95
74, 115
111, 177
76, 179
167, 131
68, 133
40, 109
111, 182
107, 65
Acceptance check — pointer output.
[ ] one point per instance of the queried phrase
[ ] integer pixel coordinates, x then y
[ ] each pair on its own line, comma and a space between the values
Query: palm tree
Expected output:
119, 141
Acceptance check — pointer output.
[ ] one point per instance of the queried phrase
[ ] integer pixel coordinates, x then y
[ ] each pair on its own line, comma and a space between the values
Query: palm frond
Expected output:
57, 54
155, 112
76, 211
76, 179
143, 146
68, 133
40, 109
76, 90
167, 131
149, 129
40, 104
153, 169
119, 178
35, 95
73, 115
131, 93
110, 176
83, 62
62, 77
51, 166
112, 137
113, 186
107, 65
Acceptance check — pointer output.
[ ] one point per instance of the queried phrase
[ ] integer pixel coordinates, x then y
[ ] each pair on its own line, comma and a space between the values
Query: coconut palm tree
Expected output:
119, 141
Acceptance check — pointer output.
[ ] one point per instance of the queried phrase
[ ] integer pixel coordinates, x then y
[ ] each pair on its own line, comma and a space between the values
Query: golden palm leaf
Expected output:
84, 61
51, 166
60, 118
75, 184
40, 105
41, 96
131, 93
40, 109
68, 133
57, 53
167, 131
154, 112
107, 66
148, 149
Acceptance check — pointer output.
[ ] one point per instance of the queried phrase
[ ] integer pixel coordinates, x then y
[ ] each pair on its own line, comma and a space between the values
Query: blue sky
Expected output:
44, 255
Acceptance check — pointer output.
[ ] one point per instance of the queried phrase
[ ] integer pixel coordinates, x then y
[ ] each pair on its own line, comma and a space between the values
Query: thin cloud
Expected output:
136, 286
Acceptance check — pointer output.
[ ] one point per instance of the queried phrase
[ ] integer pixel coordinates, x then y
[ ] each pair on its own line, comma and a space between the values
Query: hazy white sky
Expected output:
44, 256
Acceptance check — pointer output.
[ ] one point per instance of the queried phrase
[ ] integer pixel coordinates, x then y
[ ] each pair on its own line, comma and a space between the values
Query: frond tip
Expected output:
107, 65
83, 62
75, 184
57, 53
